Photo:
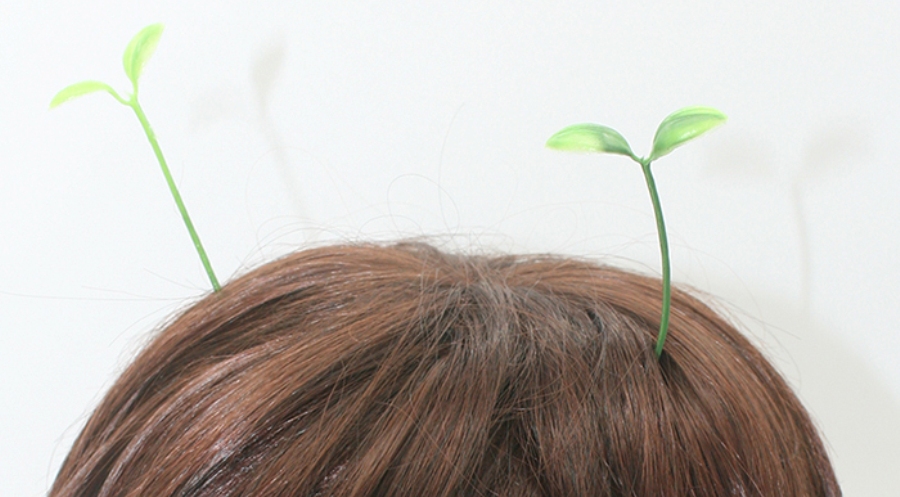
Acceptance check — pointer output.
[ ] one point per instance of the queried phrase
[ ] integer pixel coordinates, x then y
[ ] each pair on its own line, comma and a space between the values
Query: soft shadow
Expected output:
266, 69
737, 157
834, 148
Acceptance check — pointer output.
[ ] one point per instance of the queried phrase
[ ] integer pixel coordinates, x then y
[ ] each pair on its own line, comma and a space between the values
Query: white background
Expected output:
295, 123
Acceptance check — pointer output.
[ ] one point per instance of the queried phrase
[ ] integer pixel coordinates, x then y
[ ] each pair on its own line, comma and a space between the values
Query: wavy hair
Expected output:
367, 370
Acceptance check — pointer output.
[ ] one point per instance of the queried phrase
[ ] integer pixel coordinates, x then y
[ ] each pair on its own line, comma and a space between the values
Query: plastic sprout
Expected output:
675, 130
137, 53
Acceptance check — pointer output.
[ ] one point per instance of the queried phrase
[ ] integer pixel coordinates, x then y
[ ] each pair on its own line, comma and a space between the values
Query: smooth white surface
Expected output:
296, 123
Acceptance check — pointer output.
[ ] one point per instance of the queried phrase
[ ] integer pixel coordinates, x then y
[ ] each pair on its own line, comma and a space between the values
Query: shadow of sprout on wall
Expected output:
856, 411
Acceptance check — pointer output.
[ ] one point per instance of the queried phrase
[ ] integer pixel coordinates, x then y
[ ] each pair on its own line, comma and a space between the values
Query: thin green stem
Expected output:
664, 251
151, 136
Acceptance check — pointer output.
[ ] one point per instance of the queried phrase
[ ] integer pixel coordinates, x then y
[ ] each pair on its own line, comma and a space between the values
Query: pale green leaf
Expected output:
683, 125
590, 138
139, 51
82, 88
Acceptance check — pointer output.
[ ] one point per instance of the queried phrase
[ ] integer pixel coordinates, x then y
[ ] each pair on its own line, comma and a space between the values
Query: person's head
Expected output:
368, 370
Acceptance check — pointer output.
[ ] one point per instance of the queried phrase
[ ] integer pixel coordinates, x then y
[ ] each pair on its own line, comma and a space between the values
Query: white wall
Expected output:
299, 122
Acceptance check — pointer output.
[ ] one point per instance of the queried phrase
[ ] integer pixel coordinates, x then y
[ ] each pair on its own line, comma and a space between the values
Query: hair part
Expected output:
365, 370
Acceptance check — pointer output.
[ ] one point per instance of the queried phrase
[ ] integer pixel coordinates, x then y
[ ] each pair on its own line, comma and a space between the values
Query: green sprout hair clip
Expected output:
676, 129
137, 53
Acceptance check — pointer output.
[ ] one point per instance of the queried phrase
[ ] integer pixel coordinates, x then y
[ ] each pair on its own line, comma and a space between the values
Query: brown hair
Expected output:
367, 370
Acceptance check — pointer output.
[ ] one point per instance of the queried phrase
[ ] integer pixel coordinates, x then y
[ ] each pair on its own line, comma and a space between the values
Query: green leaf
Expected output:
139, 51
684, 125
82, 88
590, 138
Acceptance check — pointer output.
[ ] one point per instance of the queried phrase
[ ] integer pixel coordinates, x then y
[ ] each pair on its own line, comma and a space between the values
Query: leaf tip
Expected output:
557, 141
56, 101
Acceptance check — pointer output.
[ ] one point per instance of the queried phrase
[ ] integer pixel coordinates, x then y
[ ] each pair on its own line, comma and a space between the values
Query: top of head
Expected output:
401, 370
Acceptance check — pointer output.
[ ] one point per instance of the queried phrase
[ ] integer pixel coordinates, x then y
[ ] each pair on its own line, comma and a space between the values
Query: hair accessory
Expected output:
137, 53
676, 129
